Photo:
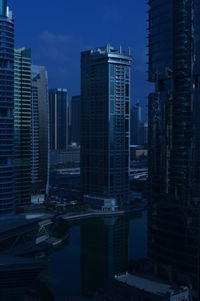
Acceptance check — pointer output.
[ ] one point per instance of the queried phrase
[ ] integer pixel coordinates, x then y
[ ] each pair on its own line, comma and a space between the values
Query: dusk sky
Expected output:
57, 31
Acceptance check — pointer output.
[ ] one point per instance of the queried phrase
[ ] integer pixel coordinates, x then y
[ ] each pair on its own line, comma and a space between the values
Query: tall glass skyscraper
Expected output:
7, 202
39, 129
22, 126
59, 119
174, 140
105, 98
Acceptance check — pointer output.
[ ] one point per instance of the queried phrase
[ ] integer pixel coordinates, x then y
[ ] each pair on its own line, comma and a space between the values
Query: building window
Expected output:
127, 90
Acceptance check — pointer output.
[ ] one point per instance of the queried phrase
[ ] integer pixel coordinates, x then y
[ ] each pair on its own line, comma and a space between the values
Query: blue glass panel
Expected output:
3, 4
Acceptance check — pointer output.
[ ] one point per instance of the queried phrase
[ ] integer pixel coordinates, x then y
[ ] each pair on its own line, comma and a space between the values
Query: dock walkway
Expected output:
71, 217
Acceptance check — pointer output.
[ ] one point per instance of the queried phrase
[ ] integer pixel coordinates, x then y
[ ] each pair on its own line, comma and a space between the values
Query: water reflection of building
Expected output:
104, 252
18, 277
174, 128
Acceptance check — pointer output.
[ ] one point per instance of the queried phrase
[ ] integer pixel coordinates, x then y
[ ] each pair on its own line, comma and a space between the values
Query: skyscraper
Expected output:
40, 129
105, 101
58, 118
22, 125
174, 140
7, 202
135, 124
76, 119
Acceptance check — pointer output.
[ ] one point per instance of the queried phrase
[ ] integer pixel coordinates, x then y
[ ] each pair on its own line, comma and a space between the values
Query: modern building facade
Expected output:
105, 137
40, 130
7, 201
22, 125
75, 110
58, 119
174, 141
135, 124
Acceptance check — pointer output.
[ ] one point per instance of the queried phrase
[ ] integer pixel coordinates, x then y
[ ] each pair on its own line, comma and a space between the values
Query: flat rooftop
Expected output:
148, 285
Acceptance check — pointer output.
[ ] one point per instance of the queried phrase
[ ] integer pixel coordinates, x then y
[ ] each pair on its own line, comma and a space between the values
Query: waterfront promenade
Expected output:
82, 215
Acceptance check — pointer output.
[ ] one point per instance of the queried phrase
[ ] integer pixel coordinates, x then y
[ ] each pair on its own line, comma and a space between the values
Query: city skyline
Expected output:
82, 170
57, 45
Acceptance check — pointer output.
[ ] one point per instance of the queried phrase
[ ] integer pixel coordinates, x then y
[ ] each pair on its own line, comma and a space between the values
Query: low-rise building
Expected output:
139, 288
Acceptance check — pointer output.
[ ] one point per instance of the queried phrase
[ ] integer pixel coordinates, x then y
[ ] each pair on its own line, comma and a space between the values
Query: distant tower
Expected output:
76, 119
105, 99
7, 202
143, 133
59, 119
39, 129
135, 124
22, 126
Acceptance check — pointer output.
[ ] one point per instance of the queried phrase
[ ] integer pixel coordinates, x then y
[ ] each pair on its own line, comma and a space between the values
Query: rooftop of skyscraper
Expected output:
108, 49
58, 90
5, 12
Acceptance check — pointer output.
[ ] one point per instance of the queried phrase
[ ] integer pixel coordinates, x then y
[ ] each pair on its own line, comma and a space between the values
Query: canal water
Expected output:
97, 250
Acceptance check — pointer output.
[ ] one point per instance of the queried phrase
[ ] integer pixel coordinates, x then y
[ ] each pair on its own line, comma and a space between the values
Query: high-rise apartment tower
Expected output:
22, 126
40, 129
105, 135
7, 201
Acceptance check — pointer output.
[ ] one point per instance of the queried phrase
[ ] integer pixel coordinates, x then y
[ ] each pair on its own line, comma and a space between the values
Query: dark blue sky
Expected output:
58, 30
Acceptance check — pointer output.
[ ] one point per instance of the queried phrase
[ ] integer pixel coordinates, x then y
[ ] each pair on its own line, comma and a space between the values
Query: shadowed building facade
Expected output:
22, 126
58, 119
40, 129
174, 141
104, 252
76, 119
7, 201
105, 102
135, 121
